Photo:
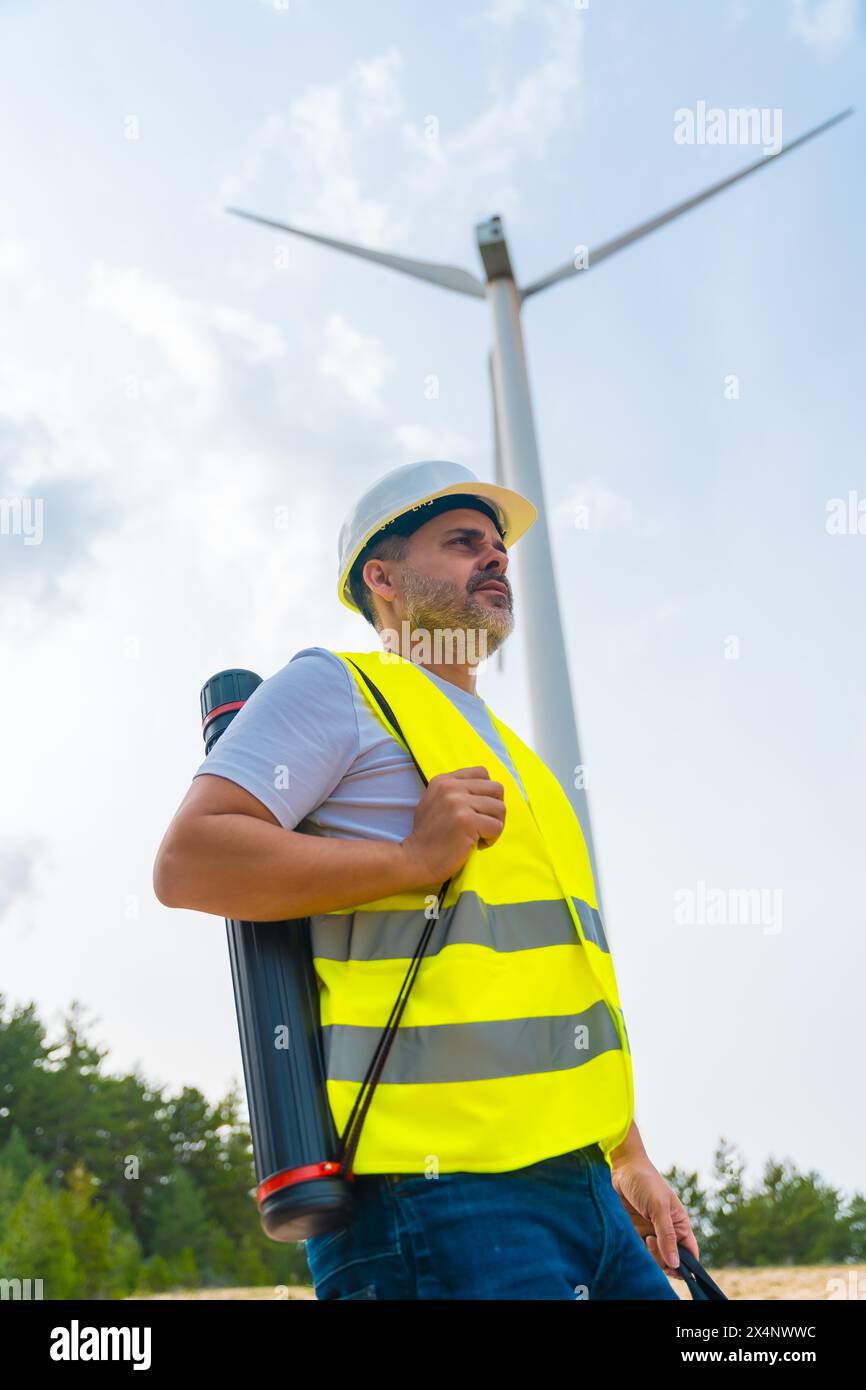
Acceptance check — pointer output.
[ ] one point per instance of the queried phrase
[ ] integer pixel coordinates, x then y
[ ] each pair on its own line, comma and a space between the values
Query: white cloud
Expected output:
337, 140
50, 515
358, 361
28, 389
156, 311
256, 341
595, 508
376, 81
194, 337
825, 25
426, 442
476, 163
317, 149
253, 157
17, 865
22, 286
670, 609
175, 430
501, 12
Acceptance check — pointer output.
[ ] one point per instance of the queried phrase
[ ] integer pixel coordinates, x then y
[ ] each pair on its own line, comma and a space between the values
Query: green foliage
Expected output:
36, 1243
103, 1252
109, 1185
790, 1217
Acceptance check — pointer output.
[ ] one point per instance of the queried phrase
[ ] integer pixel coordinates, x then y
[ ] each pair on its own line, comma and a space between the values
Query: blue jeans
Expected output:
554, 1230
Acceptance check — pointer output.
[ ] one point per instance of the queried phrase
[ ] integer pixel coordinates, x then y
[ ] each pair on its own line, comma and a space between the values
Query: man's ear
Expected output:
376, 579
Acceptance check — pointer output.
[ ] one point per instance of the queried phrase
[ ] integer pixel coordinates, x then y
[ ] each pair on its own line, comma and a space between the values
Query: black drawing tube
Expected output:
300, 1189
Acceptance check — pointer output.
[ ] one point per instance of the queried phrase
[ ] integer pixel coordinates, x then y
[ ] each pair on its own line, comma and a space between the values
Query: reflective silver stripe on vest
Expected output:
473, 1051
504, 927
590, 920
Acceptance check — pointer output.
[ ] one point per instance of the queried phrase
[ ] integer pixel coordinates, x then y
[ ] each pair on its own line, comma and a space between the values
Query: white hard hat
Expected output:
411, 486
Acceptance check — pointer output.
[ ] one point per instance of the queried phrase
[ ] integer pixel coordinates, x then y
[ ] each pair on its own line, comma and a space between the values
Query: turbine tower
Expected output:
554, 720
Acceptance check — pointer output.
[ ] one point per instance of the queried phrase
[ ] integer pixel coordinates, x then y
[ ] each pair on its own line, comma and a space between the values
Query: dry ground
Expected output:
800, 1282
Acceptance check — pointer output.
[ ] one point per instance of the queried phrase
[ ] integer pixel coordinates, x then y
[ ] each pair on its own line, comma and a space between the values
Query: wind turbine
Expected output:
554, 719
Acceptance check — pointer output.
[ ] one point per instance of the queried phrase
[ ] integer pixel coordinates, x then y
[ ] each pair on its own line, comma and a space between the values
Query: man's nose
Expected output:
494, 564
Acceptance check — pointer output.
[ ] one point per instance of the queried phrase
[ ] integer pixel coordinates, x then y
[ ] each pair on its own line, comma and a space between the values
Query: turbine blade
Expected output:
450, 277
627, 238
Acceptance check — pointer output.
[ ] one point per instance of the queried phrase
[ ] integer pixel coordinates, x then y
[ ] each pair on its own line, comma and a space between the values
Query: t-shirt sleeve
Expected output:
294, 739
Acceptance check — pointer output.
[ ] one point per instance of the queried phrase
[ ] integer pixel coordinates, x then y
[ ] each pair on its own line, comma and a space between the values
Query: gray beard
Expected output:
438, 603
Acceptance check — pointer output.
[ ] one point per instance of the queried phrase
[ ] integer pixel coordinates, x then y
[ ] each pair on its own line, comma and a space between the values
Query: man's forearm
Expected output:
247, 869
630, 1149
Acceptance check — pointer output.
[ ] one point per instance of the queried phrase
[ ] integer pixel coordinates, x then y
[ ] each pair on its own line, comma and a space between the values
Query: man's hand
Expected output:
457, 811
657, 1213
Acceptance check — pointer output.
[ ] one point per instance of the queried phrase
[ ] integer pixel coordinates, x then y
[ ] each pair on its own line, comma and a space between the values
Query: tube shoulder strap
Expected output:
389, 715
348, 1142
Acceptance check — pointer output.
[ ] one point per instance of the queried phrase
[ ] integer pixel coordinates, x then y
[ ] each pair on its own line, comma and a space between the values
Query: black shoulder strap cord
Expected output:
349, 1139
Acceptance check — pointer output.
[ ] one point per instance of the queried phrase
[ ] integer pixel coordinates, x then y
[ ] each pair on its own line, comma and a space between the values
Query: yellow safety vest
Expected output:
512, 1047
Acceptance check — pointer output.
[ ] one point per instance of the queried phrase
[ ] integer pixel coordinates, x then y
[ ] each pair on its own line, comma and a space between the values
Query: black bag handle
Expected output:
701, 1286
351, 1134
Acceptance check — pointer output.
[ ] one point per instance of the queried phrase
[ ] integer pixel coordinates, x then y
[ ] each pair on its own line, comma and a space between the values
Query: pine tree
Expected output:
37, 1243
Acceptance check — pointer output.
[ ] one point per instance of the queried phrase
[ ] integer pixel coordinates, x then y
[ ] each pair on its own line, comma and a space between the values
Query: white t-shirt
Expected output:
308, 746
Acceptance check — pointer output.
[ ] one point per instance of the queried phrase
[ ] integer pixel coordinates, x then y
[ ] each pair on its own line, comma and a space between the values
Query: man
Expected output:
499, 1157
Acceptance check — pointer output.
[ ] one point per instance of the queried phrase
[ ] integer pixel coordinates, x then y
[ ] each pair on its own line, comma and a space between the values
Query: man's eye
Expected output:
464, 540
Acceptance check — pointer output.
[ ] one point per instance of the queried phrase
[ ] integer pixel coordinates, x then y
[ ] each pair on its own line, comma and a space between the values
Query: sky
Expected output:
189, 403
